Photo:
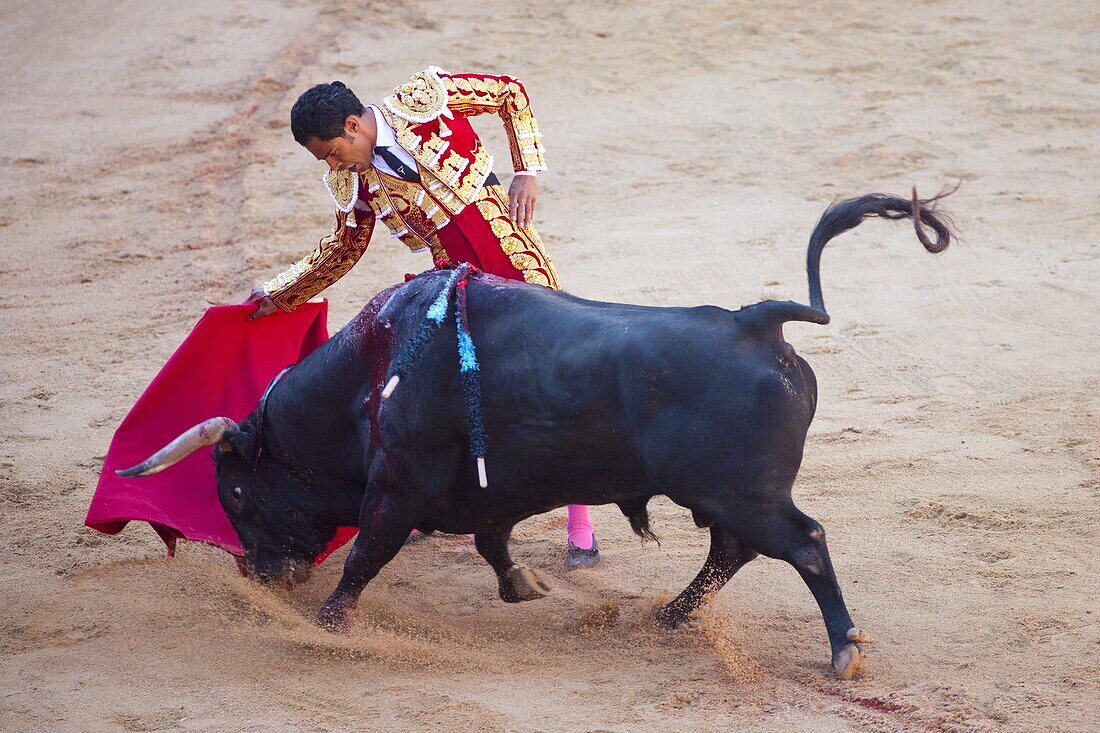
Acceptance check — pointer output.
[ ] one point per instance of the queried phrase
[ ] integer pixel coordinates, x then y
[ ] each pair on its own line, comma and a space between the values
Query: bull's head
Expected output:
273, 508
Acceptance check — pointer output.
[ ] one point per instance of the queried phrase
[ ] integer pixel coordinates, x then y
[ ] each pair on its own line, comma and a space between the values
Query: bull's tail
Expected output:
848, 214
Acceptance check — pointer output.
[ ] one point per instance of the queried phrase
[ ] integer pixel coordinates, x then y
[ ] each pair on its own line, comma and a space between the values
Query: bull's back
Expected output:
626, 395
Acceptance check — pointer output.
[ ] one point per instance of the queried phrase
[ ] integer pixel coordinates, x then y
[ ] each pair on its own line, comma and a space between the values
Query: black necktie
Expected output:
395, 163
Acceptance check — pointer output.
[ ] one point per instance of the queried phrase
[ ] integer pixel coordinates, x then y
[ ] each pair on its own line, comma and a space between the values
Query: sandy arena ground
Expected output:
149, 171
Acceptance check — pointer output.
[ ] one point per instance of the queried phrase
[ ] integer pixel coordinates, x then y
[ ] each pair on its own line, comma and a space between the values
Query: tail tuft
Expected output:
635, 510
848, 214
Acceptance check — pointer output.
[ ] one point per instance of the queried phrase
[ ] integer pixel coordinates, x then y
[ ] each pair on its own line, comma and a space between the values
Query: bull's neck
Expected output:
311, 423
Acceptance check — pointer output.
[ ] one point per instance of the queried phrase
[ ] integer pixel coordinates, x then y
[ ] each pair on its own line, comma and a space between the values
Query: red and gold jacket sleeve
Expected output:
475, 94
334, 256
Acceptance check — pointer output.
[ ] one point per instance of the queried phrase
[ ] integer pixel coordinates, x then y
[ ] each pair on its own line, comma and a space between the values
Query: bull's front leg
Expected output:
384, 524
517, 582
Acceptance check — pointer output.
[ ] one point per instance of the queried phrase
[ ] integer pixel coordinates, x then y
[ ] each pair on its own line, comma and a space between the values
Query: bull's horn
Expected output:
208, 432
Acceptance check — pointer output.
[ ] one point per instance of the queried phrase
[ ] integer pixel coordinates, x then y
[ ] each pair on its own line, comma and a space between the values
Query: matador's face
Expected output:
350, 151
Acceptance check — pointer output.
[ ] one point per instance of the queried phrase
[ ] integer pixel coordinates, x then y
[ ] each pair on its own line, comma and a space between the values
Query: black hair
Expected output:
321, 110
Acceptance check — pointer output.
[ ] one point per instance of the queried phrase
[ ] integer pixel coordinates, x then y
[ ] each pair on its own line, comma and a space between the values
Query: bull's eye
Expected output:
236, 492
292, 514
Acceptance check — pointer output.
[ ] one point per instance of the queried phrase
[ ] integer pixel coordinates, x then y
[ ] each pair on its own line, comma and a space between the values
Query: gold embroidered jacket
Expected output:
429, 116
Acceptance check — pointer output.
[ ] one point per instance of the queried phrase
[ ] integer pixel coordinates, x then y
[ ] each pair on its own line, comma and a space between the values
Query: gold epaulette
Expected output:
343, 187
421, 99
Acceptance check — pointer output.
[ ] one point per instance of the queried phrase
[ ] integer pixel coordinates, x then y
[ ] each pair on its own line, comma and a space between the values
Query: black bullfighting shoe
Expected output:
575, 557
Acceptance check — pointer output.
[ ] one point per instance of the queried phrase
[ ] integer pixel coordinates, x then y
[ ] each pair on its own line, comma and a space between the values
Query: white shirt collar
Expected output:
386, 136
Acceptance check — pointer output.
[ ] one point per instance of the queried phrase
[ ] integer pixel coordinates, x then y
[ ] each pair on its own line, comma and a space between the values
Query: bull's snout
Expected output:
300, 572
278, 571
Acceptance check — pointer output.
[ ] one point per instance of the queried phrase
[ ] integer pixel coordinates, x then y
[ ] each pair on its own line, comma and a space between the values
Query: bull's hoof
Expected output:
668, 617
334, 619
526, 584
848, 662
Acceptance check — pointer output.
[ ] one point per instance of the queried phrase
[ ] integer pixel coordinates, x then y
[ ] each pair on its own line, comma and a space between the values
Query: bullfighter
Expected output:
415, 163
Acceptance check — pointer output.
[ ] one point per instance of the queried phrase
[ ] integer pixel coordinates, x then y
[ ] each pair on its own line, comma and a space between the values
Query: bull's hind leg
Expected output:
727, 556
384, 524
787, 534
517, 582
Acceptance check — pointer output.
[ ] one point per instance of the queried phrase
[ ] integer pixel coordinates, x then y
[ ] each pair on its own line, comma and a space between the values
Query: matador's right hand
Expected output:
266, 305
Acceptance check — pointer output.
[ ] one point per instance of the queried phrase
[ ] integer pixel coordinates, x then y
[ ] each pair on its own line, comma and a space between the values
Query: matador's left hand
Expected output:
522, 195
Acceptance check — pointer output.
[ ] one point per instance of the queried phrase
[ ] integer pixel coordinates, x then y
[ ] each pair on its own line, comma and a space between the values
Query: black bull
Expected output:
584, 403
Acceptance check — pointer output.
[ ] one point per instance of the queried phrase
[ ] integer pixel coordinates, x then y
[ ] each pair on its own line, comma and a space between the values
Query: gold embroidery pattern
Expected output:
505, 96
480, 167
415, 224
525, 142
421, 99
451, 169
333, 257
489, 209
439, 254
434, 147
370, 179
444, 195
343, 187
523, 246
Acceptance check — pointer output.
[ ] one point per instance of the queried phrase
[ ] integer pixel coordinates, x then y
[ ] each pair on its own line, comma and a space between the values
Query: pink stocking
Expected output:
579, 527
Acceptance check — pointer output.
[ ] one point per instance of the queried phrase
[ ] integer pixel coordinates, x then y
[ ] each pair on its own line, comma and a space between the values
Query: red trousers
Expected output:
469, 238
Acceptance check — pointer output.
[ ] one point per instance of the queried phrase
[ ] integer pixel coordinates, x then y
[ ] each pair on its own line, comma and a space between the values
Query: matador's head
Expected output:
331, 122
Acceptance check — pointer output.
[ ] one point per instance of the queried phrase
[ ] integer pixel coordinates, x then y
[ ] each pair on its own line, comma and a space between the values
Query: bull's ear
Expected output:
241, 442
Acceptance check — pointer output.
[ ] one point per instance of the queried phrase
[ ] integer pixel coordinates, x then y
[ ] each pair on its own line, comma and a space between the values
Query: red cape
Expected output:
221, 368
